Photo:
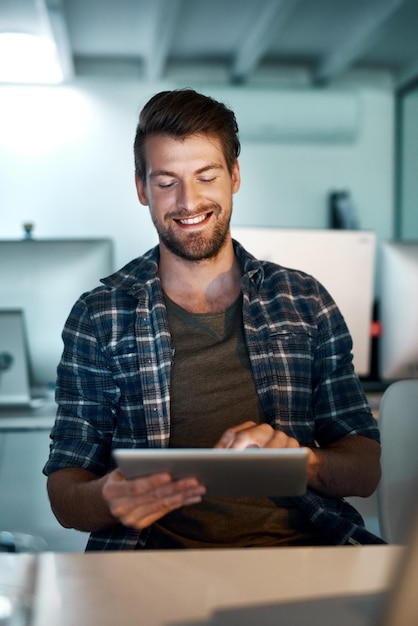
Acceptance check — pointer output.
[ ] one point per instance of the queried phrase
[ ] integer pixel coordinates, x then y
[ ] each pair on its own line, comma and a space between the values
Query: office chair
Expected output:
396, 495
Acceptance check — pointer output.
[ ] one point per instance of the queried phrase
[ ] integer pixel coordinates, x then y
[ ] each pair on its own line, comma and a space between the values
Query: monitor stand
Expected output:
14, 376
15, 389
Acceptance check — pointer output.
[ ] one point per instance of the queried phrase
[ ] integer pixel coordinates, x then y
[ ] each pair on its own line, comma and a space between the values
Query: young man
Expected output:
198, 344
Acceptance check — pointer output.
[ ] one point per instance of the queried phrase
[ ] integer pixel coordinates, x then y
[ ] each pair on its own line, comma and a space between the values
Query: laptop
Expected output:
224, 472
396, 607
14, 371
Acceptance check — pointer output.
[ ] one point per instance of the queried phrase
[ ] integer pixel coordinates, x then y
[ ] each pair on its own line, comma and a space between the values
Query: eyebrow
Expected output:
201, 170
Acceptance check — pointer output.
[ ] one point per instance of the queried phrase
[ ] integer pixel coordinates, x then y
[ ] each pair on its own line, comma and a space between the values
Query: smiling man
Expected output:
198, 344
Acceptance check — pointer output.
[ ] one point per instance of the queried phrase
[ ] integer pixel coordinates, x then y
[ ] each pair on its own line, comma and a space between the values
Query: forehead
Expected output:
195, 150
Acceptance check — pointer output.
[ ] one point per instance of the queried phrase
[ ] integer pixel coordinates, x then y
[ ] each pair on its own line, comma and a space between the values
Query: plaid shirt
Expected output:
113, 388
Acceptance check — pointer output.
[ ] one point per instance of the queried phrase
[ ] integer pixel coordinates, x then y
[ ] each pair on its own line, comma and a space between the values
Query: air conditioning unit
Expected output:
305, 115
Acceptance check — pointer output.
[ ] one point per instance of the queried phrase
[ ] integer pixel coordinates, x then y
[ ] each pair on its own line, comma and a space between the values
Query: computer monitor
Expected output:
398, 343
342, 260
43, 279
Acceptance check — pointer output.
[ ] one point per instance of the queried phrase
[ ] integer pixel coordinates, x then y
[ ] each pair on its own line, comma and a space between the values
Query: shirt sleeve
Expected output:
87, 397
340, 404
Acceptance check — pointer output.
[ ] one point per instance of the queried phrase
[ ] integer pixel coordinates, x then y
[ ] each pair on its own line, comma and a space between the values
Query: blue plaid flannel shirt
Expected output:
113, 387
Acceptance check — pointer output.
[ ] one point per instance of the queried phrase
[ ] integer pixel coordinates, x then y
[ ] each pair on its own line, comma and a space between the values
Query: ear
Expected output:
141, 191
235, 177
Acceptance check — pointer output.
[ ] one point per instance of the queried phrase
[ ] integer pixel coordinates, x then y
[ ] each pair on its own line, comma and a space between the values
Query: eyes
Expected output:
172, 182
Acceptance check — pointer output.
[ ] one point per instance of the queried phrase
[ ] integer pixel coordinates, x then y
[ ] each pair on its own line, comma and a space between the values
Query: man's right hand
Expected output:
139, 502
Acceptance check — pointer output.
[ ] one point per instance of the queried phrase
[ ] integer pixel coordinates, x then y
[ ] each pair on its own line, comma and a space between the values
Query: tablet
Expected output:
224, 472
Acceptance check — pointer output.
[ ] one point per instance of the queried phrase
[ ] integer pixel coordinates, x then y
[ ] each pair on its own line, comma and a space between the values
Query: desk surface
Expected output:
40, 417
170, 588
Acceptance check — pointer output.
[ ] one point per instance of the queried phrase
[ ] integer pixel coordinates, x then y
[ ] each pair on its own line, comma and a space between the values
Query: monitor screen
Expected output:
342, 260
398, 344
43, 278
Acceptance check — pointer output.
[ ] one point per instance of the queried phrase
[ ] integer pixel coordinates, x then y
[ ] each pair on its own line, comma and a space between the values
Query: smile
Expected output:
193, 220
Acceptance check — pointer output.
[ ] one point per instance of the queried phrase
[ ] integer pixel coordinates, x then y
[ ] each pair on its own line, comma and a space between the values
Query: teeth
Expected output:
193, 220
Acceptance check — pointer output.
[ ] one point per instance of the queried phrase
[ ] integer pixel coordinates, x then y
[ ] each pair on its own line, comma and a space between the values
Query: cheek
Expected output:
159, 206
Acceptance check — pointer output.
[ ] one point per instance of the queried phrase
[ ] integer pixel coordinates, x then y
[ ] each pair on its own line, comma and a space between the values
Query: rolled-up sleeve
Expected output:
87, 397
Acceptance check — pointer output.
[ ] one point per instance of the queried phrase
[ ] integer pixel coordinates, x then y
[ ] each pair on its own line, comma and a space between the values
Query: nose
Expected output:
189, 195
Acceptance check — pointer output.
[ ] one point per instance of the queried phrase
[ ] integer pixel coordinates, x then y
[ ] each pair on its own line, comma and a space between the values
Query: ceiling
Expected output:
272, 42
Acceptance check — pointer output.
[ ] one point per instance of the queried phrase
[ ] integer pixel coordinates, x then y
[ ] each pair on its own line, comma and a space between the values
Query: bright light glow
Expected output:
38, 119
6, 608
28, 59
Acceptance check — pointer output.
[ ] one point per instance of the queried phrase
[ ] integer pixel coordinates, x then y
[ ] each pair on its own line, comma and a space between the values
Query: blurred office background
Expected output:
325, 92
331, 69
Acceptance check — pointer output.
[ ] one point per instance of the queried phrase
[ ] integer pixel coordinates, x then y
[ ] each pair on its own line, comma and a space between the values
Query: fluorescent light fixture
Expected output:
28, 59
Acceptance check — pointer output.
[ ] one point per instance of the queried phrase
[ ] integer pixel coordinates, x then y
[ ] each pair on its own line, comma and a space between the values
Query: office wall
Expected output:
408, 209
66, 165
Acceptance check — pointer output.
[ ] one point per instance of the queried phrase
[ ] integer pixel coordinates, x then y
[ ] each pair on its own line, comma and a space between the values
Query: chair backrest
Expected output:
396, 494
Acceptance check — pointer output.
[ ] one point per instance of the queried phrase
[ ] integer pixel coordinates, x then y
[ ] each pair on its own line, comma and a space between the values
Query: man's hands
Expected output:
141, 501
348, 467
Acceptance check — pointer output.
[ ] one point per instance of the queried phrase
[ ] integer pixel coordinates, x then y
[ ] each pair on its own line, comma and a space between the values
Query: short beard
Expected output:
195, 246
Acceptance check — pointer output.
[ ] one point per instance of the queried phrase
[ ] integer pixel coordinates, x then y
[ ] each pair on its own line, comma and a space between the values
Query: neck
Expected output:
206, 286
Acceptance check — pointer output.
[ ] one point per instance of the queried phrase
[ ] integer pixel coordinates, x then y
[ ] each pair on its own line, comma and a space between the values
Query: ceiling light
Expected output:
28, 59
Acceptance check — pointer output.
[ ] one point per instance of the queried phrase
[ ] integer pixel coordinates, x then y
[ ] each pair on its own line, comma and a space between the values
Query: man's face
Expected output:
189, 190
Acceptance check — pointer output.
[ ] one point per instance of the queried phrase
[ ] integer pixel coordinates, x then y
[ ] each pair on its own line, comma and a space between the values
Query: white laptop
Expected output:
396, 607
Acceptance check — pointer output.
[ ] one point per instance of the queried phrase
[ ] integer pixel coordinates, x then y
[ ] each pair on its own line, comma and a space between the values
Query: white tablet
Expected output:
224, 472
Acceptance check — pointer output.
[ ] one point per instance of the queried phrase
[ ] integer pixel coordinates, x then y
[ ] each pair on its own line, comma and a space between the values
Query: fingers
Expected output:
251, 435
155, 505
228, 438
142, 501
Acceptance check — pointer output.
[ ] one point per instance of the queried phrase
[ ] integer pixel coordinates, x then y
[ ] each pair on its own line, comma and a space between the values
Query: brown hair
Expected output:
183, 112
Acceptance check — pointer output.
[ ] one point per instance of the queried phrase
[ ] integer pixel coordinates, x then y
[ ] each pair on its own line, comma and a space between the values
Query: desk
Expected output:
156, 588
39, 417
